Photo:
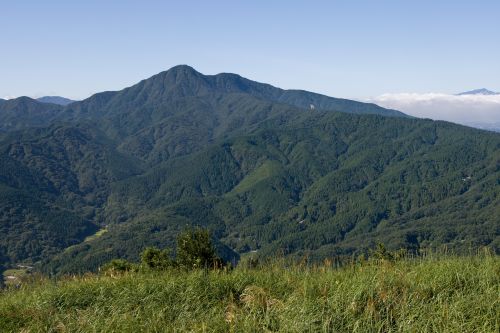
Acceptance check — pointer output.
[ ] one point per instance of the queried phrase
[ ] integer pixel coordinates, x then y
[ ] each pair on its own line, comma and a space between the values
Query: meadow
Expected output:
431, 294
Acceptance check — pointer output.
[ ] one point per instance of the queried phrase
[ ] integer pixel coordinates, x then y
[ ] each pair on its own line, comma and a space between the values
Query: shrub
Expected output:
118, 266
382, 254
155, 258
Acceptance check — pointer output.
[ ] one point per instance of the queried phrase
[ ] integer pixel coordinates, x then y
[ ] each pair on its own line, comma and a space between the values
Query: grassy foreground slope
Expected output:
424, 295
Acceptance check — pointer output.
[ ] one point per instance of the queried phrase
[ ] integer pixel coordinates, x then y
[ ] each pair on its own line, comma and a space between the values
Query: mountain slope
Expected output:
52, 183
333, 187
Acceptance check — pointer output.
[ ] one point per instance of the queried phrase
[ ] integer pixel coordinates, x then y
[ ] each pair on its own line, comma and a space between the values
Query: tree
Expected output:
195, 250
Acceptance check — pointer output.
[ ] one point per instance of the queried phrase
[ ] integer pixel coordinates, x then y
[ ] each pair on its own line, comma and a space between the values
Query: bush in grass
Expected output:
380, 253
155, 258
194, 250
118, 266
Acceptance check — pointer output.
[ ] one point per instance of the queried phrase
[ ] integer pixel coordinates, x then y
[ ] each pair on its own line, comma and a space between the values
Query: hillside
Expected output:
52, 181
425, 295
268, 174
324, 190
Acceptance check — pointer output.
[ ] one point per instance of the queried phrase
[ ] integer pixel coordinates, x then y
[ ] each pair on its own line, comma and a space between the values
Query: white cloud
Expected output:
465, 109
8, 97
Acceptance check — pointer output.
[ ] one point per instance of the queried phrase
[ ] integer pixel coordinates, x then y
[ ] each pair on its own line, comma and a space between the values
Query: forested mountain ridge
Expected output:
267, 170
143, 100
24, 112
328, 190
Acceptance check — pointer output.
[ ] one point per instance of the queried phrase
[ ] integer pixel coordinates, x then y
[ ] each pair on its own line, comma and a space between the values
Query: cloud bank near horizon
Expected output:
464, 109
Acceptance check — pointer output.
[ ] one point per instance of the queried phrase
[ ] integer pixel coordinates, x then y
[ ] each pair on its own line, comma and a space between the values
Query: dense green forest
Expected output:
268, 171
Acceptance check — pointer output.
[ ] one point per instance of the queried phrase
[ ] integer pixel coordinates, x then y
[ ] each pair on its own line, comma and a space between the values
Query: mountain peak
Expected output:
184, 80
55, 100
181, 72
182, 77
22, 100
182, 68
482, 91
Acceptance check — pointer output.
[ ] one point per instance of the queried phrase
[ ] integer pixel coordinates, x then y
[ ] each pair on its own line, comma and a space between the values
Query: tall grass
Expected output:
421, 295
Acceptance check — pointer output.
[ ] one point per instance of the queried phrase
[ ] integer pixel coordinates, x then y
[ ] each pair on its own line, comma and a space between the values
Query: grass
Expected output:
98, 234
421, 295
13, 276
90, 238
265, 171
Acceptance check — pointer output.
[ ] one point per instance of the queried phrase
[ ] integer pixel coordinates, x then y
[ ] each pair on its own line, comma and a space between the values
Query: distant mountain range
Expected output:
268, 171
481, 91
55, 100
486, 126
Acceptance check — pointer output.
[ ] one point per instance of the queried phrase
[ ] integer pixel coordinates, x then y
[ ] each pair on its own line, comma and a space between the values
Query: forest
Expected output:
266, 173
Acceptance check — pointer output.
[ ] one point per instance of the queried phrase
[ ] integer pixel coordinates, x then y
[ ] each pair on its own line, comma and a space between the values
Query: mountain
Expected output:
257, 165
55, 100
24, 112
481, 91
182, 84
207, 106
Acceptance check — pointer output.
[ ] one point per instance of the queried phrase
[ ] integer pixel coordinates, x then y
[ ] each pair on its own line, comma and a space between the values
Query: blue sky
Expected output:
354, 49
